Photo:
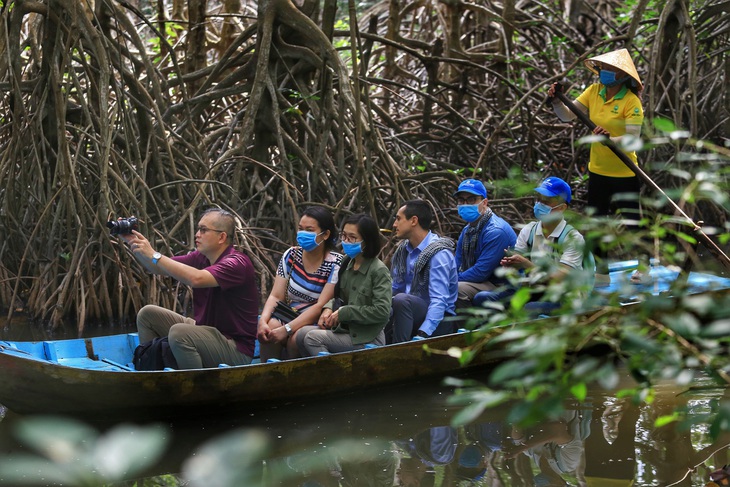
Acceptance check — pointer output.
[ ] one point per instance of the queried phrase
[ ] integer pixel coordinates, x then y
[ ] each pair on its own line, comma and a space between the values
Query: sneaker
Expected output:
643, 278
602, 280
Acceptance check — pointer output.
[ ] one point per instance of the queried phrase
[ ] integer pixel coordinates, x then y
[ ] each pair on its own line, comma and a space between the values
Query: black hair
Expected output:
422, 210
225, 218
369, 231
326, 222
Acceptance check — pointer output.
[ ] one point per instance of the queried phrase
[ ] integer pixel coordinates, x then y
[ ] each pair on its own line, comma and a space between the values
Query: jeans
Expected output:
409, 313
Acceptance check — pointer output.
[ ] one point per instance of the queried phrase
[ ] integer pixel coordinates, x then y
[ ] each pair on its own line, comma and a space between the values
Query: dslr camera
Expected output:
123, 226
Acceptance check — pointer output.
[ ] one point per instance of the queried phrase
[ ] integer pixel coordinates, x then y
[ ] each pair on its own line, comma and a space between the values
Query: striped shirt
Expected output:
304, 288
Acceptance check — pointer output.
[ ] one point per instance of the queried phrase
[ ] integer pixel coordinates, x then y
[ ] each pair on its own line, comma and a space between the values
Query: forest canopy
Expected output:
113, 108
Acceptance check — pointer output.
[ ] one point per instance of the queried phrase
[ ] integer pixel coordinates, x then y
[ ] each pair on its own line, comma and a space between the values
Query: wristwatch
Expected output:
156, 257
288, 329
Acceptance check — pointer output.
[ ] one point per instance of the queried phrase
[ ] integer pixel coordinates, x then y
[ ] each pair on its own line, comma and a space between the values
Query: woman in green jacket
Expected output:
364, 289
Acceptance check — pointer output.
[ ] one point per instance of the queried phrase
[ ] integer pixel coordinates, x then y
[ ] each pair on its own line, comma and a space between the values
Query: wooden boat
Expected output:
94, 378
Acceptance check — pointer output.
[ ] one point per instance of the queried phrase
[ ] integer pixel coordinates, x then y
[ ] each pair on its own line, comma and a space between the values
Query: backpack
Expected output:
589, 261
154, 355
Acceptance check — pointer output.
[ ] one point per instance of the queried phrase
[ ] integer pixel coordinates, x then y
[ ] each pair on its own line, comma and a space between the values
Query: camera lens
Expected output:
123, 226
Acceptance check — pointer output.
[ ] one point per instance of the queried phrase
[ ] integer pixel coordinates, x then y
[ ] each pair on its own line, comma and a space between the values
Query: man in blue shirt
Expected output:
425, 282
481, 244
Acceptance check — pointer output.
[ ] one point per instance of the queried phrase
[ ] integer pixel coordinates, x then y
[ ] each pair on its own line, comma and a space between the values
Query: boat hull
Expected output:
29, 386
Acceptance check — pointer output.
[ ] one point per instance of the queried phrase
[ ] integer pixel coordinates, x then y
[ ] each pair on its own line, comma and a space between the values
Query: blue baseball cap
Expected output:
472, 186
552, 187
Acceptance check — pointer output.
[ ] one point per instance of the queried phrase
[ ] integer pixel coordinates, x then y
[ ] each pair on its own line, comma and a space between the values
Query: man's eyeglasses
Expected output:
467, 201
348, 238
204, 230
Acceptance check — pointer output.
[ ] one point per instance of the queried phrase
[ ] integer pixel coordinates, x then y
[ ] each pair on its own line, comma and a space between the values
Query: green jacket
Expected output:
367, 294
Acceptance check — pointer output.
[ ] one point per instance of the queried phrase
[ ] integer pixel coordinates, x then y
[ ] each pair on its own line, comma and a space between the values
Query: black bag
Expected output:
154, 355
284, 313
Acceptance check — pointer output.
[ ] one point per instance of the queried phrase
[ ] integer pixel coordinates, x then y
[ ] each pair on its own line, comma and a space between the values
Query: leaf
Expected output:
590, 139
60, 439
511, 335
584, 367
716, 329
686, 237
27, 470
634, 342
664, 124
127, 449
684, 323
520, 298
631, 143
685, 377
700, 304
467, 415
513, 369
665, 420
231, 459
579, 391
680, 134
608, 377
459, 382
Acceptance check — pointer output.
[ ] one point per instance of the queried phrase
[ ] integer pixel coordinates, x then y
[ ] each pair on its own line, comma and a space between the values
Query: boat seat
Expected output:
76, 353
55, 351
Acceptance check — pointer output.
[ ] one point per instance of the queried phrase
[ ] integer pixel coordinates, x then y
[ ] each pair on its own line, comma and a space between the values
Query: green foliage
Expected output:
597, 342
232, 459
72, 453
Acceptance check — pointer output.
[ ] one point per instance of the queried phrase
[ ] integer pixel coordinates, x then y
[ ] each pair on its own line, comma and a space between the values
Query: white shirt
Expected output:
542, 248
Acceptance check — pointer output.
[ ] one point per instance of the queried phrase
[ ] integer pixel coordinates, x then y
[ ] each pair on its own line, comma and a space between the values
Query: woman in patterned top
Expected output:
305, 279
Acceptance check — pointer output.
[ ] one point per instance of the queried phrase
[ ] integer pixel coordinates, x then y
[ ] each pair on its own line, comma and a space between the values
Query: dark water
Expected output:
403, 436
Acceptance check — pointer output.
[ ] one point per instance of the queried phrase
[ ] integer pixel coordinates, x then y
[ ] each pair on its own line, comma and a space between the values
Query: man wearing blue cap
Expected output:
549, 243
481, 243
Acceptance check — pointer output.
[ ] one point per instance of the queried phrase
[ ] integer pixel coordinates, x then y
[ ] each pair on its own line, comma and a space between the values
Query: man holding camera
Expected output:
225, 298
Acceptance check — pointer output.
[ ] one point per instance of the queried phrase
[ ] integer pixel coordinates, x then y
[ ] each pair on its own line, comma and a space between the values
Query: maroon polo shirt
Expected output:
233, 306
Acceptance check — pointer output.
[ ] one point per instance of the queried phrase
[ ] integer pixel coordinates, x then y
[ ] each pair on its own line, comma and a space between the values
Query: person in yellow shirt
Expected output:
614, 105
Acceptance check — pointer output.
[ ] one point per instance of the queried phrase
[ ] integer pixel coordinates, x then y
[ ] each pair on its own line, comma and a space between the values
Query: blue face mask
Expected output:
608, 78
469, 213
308, 240
544, 213
352, 250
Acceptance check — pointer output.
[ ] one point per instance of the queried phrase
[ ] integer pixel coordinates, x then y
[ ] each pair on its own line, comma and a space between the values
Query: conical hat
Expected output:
620, 59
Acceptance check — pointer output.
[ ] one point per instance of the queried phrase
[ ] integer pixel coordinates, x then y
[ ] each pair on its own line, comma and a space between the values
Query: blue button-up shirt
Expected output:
443, 283
496, 236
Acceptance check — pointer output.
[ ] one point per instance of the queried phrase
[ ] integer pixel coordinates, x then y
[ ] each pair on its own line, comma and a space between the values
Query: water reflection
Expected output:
403, 436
